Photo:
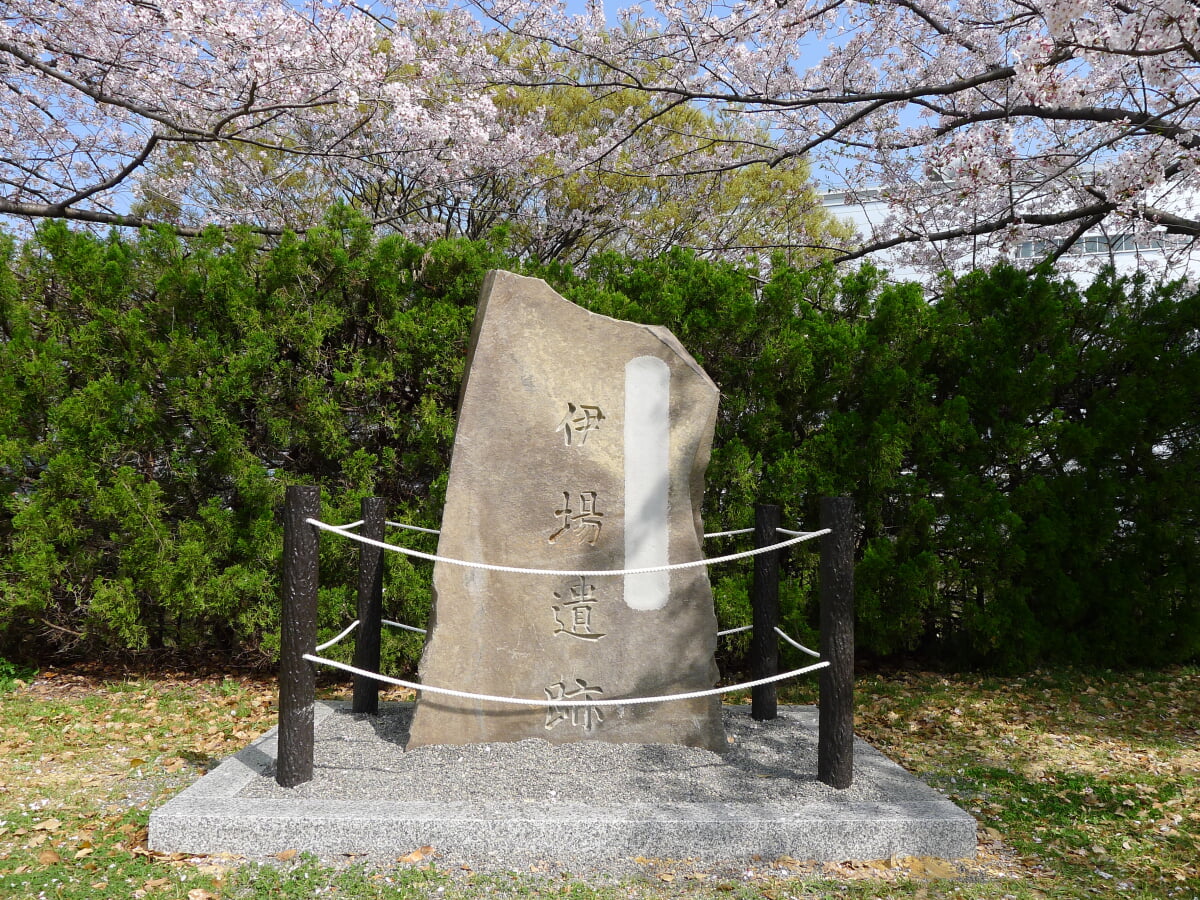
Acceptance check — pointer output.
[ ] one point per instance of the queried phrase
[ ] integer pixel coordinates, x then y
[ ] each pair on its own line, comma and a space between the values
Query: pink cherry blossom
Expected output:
253, 111
983, 122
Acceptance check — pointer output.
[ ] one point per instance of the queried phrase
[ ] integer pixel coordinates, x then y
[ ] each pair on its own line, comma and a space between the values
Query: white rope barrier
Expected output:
795, 538
798, 646
401, 625
356, 623
412, 527
711, 534
527, 701
717, 534
571, 573
413, 628
328, 644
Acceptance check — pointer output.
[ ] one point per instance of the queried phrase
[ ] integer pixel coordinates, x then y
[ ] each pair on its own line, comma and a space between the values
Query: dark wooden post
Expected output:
370, 607
297, 678
835, 740
764, 602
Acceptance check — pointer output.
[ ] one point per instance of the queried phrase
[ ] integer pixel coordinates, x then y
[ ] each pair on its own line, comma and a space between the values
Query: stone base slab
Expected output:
588, 808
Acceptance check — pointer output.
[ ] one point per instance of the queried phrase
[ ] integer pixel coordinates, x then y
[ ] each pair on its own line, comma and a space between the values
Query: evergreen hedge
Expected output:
1023, 453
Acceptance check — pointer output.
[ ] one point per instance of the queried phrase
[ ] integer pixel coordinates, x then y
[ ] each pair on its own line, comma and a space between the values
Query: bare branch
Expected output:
56, 211
108, 184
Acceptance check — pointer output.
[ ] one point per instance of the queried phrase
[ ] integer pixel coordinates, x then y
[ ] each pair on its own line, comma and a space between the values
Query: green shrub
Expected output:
159, 395
1022, 453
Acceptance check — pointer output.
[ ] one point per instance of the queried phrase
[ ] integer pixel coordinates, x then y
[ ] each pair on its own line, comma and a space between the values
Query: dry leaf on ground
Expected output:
416, 856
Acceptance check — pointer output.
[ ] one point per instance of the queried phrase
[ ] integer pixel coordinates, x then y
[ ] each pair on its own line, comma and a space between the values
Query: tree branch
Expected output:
979, 229
117, 178
59, 211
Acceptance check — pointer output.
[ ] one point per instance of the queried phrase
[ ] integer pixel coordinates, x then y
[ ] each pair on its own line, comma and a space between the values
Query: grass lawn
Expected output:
1084, 784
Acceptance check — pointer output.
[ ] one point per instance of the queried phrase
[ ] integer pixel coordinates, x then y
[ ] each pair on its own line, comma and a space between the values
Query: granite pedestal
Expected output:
583, 807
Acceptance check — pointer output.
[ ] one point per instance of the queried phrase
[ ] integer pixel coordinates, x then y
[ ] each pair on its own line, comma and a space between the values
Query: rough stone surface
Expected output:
581, 444
582, 807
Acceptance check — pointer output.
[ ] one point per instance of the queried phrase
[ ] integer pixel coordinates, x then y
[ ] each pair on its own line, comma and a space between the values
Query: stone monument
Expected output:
582, 443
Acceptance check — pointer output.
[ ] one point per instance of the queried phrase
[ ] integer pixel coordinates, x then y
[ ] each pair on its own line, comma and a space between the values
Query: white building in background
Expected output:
866, 211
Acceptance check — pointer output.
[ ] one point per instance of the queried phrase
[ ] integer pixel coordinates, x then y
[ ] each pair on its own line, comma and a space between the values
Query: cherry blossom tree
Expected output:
264, 112
605, 195
1006, 122
255, 95
564, 205
1013, 124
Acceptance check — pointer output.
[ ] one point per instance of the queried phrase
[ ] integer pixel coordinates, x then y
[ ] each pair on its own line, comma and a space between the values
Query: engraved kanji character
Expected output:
576, 605
580, 420
585, 717
585, 524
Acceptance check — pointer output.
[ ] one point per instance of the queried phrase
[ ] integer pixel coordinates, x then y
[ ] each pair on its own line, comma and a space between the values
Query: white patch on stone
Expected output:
647, 480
